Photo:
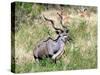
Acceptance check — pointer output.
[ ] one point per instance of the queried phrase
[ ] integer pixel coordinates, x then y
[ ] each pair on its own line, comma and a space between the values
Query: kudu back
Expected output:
52, 48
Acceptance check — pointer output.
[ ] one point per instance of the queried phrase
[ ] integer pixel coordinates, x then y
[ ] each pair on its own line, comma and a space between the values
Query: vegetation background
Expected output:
30, 28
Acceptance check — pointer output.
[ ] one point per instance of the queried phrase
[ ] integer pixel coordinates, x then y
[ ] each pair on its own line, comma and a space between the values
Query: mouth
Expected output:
69, 39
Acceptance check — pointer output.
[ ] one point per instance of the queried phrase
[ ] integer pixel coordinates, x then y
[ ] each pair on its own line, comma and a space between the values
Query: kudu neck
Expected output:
59, 39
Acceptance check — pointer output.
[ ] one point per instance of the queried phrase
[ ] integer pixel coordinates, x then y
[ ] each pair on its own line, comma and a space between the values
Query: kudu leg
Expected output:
59, 56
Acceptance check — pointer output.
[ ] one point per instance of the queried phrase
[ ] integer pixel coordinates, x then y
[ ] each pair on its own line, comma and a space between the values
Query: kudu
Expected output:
52, 48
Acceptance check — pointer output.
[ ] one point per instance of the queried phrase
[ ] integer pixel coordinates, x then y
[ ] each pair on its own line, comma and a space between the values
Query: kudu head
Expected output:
64, 32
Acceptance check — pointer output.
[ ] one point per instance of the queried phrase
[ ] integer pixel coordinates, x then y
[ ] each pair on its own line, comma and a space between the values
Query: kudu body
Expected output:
52, 48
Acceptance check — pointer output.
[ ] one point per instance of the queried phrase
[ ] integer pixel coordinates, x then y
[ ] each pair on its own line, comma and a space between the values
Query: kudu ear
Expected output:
57, 32
67, 31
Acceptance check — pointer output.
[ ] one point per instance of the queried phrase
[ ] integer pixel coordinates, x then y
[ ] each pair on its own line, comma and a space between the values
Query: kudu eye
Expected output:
62, 31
